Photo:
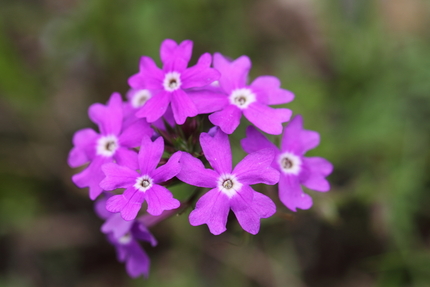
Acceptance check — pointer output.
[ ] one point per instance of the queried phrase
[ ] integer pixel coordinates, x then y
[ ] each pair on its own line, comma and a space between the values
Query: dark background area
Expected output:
360, 70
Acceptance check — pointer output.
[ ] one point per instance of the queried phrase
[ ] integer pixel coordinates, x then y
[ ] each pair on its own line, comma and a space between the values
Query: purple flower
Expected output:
143, 185
230, 188
296, 170
235, 98
169, 85
124, 235
112, 144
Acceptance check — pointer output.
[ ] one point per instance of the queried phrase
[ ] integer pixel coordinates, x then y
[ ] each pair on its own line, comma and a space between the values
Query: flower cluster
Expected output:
174, 128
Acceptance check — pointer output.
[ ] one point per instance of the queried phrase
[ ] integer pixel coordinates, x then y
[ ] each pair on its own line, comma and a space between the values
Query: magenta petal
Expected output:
233, 74
267, 119
317, 168
269, 92
117, 176
175, 64
170, 49
291, 193
129, 203
149, 76
126, 157
169, 170
84, 149
242, 199
255, 141
92, 176
116, 225
211, 209
159, 199
194, 173
155, 107
108, 118
150, 154
261, 207
182, 106
309, 139
227, 119
208, 100
298, 140
255, 168
100, 206
199, 75
132, 136
217, 151
137, 262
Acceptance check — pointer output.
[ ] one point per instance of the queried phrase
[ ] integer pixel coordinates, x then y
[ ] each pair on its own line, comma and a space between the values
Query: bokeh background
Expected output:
360, 70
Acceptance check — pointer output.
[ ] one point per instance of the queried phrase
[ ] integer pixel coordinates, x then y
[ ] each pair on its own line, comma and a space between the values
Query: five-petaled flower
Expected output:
114, 143
143, 185
169, 86
296, 170
234, 98
229, 188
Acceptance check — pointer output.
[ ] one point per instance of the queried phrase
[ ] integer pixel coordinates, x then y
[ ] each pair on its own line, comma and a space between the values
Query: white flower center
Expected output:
143, 183
125, 239
107, 145
140, 98
172, 81
242, 98
229, 185
290, 163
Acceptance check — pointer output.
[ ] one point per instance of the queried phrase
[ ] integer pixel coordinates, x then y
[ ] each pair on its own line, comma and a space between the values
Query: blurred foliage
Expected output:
360, 70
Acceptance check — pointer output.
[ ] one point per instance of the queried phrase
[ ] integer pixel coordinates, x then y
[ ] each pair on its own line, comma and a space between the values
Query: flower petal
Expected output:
159, 199
267, 119
316, 169
256, 168
268, 90
137, 262
169, 170
208, 99
150, 154
155, 107
182, 106
194, 173
217, 151
233, 74
126, 157
116, 225
129, 203
108, 118
149, 76
227, 119
132, 136
242, 199
211, 209
291, 193
117, 176
298, 140
84, 147
261, 207
255, 141
200, 75
170, 49
92, 176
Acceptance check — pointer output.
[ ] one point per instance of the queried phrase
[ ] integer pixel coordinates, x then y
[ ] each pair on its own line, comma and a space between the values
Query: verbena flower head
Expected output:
230, 187
234, 98
124, 235
112, 144
295, 169
143, 185
168, 86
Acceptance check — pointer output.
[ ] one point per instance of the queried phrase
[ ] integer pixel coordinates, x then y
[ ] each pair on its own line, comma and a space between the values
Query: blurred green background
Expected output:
360, 70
